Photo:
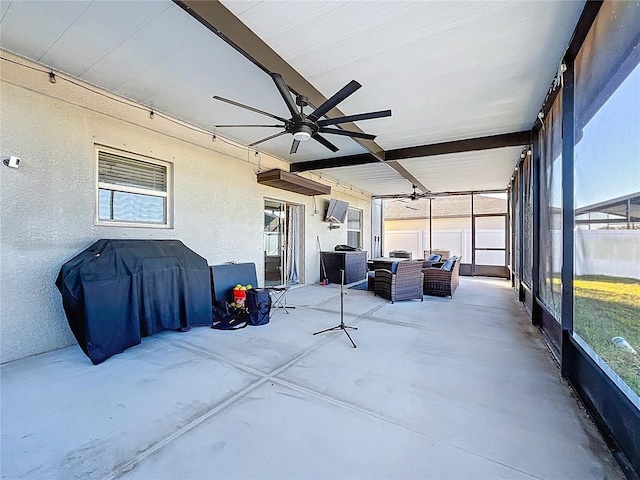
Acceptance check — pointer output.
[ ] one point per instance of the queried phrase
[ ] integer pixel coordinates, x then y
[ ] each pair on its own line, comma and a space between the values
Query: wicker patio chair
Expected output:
404, 284
441, 282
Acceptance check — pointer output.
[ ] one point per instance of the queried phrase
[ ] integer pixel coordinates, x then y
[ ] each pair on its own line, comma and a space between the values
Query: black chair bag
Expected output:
258, 305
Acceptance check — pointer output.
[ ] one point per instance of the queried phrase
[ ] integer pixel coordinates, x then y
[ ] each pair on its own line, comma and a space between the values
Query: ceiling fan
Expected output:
303, 127
415, 195
412, 196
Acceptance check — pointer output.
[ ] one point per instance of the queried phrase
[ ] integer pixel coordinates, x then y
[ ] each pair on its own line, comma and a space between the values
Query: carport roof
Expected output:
624, 207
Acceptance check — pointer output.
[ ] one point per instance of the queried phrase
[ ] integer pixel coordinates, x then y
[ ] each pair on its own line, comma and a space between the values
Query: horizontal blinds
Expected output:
118, 170
353, 219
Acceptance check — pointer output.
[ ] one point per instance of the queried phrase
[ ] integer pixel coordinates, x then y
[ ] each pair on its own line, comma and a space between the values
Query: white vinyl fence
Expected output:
615, 253
457, 241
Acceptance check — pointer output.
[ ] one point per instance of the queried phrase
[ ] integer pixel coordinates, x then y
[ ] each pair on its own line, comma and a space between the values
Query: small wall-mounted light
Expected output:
333, 226
12, 162
151, 115
52, 77
529, 152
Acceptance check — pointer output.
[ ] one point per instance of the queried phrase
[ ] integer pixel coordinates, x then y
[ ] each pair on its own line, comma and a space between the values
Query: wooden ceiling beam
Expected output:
392, 156
458, 146
335, 162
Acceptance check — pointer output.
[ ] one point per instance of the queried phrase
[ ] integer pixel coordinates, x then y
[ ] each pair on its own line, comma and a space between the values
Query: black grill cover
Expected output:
117, 291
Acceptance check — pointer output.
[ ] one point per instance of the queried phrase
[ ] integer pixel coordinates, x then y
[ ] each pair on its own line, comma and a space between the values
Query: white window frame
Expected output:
361, 213
167, 195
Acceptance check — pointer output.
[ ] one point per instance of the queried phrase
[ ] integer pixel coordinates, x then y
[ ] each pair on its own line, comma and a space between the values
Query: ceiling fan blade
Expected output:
343, 93
325, 142
354, 118
286, 94
261, 112
268, 138
294, 147
229, 126
347, 133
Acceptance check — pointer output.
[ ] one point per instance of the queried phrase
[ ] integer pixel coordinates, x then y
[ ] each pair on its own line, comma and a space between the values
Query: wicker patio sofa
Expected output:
442, 279
403, 284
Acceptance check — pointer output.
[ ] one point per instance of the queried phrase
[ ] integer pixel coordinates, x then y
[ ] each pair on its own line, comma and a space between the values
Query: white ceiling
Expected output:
448, 70
378, 177
463, 172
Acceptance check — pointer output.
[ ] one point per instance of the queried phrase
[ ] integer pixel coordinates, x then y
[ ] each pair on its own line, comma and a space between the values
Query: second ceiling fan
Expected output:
302, 126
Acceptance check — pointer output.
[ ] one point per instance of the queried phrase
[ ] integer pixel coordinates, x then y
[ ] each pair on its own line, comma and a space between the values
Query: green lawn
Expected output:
607, 307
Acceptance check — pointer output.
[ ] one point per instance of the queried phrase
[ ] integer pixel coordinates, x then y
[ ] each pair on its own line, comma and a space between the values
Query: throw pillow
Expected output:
448, 265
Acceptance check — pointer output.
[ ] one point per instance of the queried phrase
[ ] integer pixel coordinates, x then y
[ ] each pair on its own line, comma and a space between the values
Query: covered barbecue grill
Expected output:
117, 291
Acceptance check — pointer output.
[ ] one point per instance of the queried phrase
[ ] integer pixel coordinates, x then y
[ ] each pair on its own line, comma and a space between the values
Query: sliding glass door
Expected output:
283, 240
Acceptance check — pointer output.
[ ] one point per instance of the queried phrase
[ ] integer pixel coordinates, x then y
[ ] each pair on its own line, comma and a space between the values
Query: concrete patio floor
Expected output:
461, 388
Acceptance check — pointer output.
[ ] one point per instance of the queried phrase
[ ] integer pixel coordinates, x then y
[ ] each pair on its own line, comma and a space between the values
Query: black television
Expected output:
337, 211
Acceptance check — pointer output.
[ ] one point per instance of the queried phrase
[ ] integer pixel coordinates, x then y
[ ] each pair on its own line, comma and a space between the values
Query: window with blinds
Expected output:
354, 228
132, 190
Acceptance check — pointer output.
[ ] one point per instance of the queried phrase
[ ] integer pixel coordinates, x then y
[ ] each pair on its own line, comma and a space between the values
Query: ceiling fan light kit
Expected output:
303, 134
304, 127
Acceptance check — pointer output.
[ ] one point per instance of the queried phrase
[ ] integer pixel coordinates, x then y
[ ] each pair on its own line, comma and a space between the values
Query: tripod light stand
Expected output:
342, 326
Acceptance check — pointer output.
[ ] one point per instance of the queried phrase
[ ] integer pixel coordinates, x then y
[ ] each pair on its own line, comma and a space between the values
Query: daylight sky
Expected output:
607, 159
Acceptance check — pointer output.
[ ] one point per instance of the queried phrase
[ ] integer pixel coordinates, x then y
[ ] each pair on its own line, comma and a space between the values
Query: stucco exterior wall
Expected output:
47, 206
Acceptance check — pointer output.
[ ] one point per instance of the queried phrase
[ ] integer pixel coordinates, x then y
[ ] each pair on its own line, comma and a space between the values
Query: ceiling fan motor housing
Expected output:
301, 128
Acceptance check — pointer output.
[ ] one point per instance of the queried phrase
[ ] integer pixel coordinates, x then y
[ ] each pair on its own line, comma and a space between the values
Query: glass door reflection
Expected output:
274, 242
